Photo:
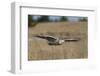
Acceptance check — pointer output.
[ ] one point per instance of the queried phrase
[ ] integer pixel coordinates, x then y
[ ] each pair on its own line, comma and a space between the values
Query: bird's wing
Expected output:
72, 39
49, 38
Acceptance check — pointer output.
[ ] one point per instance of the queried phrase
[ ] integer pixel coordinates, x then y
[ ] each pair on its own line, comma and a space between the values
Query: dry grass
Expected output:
40, 50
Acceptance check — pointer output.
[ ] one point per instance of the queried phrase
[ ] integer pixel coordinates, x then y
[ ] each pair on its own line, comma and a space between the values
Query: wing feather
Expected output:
49, 38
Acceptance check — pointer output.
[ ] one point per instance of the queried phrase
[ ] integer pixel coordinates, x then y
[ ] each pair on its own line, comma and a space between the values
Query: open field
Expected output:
38, 49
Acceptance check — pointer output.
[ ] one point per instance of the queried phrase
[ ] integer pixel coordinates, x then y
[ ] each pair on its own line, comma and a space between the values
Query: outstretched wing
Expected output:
49, 38
72, 39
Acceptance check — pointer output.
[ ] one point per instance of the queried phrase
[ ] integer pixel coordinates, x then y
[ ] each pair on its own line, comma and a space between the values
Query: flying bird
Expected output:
56, 40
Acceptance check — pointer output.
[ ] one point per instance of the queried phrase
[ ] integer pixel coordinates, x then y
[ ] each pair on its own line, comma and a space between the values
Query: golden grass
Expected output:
38, 49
